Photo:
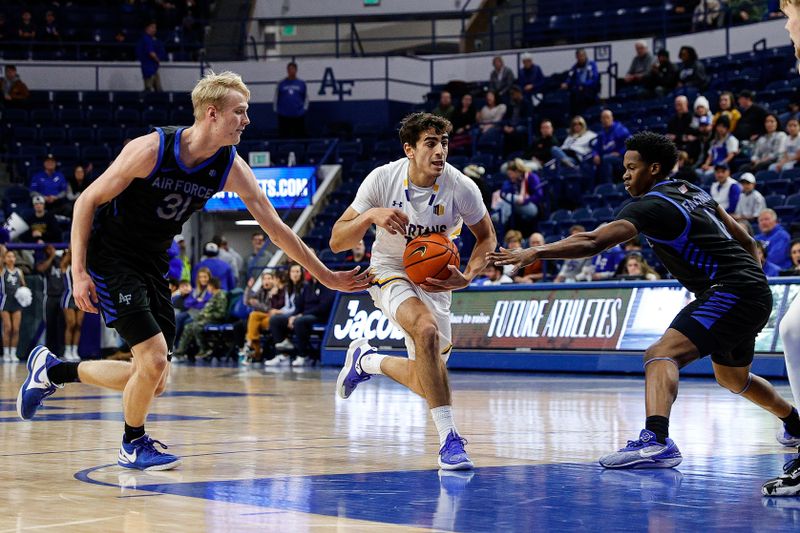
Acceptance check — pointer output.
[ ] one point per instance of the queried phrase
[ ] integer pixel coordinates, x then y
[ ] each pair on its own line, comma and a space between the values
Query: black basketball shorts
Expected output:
725, 322
133, 292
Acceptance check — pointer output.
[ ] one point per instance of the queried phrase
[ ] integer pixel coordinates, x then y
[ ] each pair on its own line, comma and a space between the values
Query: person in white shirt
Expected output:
791, 148
751, 202
494, 275
417, 195
577, 145
725, 191
769, 146
492, 113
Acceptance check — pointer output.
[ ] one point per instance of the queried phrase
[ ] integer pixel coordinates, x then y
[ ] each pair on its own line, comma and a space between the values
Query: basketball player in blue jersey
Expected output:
138, 205
788, 484
711, 255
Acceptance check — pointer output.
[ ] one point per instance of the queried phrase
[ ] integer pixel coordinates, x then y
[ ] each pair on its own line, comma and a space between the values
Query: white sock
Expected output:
73, 350
6, 352
371, 363
790, 335
443, 418
13, 352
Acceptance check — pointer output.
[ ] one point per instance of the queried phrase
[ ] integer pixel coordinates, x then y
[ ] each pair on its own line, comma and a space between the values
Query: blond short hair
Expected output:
212, 89
787, 3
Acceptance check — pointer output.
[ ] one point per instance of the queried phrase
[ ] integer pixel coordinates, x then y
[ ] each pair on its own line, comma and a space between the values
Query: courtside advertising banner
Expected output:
612, 317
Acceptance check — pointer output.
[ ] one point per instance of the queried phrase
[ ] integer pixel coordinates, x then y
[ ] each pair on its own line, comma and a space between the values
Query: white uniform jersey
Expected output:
444, 208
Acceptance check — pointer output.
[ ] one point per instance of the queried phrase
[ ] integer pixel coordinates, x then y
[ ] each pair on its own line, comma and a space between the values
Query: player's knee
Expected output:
153, 367
733, 382
425, 330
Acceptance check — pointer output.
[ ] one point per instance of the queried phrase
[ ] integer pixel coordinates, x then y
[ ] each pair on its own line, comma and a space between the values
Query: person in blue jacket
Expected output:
583, 82
219, 268
609, 147
530, 77
775, 238
291, 104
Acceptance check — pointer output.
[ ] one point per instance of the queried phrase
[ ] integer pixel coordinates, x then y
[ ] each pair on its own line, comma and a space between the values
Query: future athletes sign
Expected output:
612, 317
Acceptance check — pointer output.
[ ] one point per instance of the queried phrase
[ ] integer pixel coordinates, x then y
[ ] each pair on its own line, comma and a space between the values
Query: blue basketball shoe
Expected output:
787, 484
352, 374
452, 455
645, 452
787, 439
141, 454
37, 386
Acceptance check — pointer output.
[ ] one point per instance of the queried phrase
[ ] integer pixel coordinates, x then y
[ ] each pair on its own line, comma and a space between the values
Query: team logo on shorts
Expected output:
125, 298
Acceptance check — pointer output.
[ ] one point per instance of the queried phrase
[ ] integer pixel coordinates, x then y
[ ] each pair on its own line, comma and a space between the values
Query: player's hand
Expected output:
392, 220
517, 258
84, 292
350, 280
456, 281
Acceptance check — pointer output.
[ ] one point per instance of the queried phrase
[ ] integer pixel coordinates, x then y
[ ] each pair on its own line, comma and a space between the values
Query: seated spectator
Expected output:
679, 127
265, 302
26, 30
745, 11
722, 150
493, 275
536, 270
175, 259
501, 79
464, 119
635, 267
183, 291
751, 125
571, 269
215, 311
610, 147
519, 195
530, 78
684, 169
604, 265
476, 173
219, 268
259, 259
15, 92
769, 146
312, 307
770, 269
50, 33
791, 148
51, 184
541, 150
725, 191
577, 145
701, 109
445, 108
358, 254
663, 76
707, 15
751, 202
229, 255
42, 225
773, 10
794, 257
775, 238
705, 137
515, 128
691, 71
726, 108
640, 65
583, 83
76, 184
194, 302
492, 113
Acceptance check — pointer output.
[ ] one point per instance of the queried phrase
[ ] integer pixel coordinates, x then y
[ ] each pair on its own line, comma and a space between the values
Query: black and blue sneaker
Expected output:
787, 484
141, 454
351, 373
645, 452
37, 386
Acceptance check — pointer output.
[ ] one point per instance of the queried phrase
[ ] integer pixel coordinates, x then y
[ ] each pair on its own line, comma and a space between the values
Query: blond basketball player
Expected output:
138, 205
417, 195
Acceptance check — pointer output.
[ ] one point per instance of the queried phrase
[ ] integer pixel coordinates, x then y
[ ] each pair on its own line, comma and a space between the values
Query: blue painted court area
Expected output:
706, 494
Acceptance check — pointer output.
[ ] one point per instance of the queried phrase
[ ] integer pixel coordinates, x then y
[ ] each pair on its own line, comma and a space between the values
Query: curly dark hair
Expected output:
413, 125
654, 148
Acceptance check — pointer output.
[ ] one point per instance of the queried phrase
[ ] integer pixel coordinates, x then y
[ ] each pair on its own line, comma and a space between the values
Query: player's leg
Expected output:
790, 336
758, 390
654, 448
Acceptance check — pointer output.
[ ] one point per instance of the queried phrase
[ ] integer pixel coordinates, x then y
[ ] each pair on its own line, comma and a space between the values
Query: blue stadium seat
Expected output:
65, 153
81, 134
155, 117
43, 117
127, 117
98, 117
95, 98
25, 134
95, 154
53, 135
793, 200
110, 135
70, 116
127, 98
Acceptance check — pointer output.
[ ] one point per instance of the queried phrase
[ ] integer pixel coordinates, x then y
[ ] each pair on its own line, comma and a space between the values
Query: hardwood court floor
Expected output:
277, 452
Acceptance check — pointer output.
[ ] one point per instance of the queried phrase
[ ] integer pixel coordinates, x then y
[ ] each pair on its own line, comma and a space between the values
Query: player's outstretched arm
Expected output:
585, 244
486, 241
137, 159
738, 233
242, 181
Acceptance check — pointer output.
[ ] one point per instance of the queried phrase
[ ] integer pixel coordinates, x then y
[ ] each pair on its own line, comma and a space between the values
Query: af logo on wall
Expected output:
339, 87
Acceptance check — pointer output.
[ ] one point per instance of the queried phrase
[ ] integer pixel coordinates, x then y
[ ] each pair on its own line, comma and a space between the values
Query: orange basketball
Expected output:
428, 256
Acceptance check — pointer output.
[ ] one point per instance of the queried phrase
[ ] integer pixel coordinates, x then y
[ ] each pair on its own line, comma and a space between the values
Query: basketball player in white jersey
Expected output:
417, 195
788, 484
